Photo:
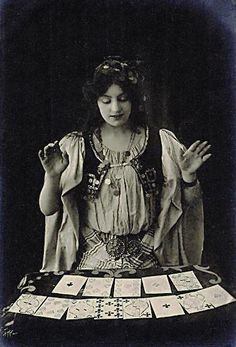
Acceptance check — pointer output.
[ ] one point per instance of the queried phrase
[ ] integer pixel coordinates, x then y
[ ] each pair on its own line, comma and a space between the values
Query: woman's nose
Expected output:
115, 106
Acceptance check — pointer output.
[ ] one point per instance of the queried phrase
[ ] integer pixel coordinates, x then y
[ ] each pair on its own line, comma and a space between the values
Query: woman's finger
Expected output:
206, 157
193, 147
204, 150
201, 146
49, 149
41, 154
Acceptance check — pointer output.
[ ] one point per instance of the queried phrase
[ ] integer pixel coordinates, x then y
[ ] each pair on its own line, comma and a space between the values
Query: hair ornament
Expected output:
126, 70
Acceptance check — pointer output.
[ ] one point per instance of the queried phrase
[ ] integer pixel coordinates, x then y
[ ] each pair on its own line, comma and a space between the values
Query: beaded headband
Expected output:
125, 70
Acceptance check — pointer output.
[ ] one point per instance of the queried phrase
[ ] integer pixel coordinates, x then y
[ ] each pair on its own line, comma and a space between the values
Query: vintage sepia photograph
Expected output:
118, 148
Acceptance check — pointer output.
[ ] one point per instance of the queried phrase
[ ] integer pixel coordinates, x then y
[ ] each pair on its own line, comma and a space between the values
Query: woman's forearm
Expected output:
49, 200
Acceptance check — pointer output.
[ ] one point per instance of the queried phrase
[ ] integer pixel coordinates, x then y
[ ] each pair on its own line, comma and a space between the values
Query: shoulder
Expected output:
72, 139
167, 134
170, 141
169, 138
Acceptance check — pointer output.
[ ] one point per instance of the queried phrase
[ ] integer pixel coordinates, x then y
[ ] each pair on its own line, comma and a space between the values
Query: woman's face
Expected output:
114, 106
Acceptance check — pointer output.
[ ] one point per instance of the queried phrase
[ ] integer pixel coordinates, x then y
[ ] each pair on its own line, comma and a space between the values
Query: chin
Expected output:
118, 122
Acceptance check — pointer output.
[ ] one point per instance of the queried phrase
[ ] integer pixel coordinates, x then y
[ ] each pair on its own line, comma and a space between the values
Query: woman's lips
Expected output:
116, 115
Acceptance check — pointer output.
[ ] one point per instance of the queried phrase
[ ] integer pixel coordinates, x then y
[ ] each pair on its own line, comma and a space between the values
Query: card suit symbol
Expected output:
109, 313
69, 284
180, 297
147, 314
166, 306
209, 306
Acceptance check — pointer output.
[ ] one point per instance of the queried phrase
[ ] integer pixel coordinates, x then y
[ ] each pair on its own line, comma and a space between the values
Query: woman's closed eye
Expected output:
107, 100
123, 98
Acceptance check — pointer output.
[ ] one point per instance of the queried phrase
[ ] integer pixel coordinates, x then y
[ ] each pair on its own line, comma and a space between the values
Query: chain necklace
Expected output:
125, 153
113, 182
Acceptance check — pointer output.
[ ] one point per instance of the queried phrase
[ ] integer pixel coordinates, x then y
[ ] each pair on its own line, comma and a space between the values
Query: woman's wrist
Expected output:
52, 177
189, 178
52, 181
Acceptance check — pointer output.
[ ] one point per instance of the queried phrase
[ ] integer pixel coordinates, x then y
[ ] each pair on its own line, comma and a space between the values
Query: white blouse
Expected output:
122, 207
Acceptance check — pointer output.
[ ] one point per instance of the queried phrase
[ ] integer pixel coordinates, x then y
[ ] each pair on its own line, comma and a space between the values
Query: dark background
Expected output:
50, 48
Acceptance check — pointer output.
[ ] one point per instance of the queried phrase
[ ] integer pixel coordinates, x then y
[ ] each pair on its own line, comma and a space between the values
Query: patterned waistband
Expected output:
119, 245
106, 237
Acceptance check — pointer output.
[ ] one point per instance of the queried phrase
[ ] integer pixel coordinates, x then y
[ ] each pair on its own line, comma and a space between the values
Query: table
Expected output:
208, 328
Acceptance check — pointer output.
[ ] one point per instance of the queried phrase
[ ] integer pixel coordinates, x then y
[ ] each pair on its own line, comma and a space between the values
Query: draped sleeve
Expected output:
179, 233
61, 241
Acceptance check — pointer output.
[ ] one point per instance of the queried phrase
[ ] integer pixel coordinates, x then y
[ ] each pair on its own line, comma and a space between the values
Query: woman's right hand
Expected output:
53, 160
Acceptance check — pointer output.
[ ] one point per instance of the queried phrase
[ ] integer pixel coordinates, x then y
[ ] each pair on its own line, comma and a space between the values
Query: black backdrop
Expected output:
51, 47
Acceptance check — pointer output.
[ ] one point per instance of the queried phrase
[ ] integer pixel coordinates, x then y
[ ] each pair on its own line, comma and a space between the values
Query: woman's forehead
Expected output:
114, 90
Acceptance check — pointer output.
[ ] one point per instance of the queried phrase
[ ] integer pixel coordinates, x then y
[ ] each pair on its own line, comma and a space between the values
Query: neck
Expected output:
116, 131
116, 138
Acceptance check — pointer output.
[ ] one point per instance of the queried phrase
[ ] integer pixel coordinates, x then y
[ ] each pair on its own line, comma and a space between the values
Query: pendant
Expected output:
116, 192
115, 248
107, 181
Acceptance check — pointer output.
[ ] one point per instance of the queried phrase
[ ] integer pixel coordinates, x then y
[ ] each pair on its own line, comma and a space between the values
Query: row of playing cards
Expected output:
118, 308
126, 287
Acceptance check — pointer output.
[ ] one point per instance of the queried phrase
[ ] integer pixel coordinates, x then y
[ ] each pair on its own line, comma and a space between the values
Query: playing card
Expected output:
185, 281
53, 308
156, 284
27, 304
166, 306
217, 296
127, 287
97, 286
109, 309
194, 302
81, 309
136, 308
70, 284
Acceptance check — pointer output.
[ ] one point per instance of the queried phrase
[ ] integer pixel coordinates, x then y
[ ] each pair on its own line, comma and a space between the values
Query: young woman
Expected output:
121, 194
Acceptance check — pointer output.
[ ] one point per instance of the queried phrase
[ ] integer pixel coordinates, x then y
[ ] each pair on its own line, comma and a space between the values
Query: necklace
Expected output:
125, 153
114, 182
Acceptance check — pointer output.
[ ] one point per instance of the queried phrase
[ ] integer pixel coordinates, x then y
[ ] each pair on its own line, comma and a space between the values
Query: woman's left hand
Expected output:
193, 158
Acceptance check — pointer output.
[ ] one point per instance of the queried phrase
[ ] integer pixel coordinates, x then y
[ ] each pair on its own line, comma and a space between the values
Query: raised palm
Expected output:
194, 157
53, 160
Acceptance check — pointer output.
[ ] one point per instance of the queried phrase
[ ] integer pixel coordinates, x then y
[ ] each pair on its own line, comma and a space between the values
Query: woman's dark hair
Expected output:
128, 77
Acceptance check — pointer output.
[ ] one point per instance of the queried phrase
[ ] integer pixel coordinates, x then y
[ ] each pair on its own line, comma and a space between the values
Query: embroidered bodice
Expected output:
120, 197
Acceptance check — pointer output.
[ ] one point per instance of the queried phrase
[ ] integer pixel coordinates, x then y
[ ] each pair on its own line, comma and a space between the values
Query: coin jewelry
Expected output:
114, 182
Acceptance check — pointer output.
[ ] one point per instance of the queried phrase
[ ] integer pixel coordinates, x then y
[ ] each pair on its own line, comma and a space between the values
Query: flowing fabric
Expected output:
178, 234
